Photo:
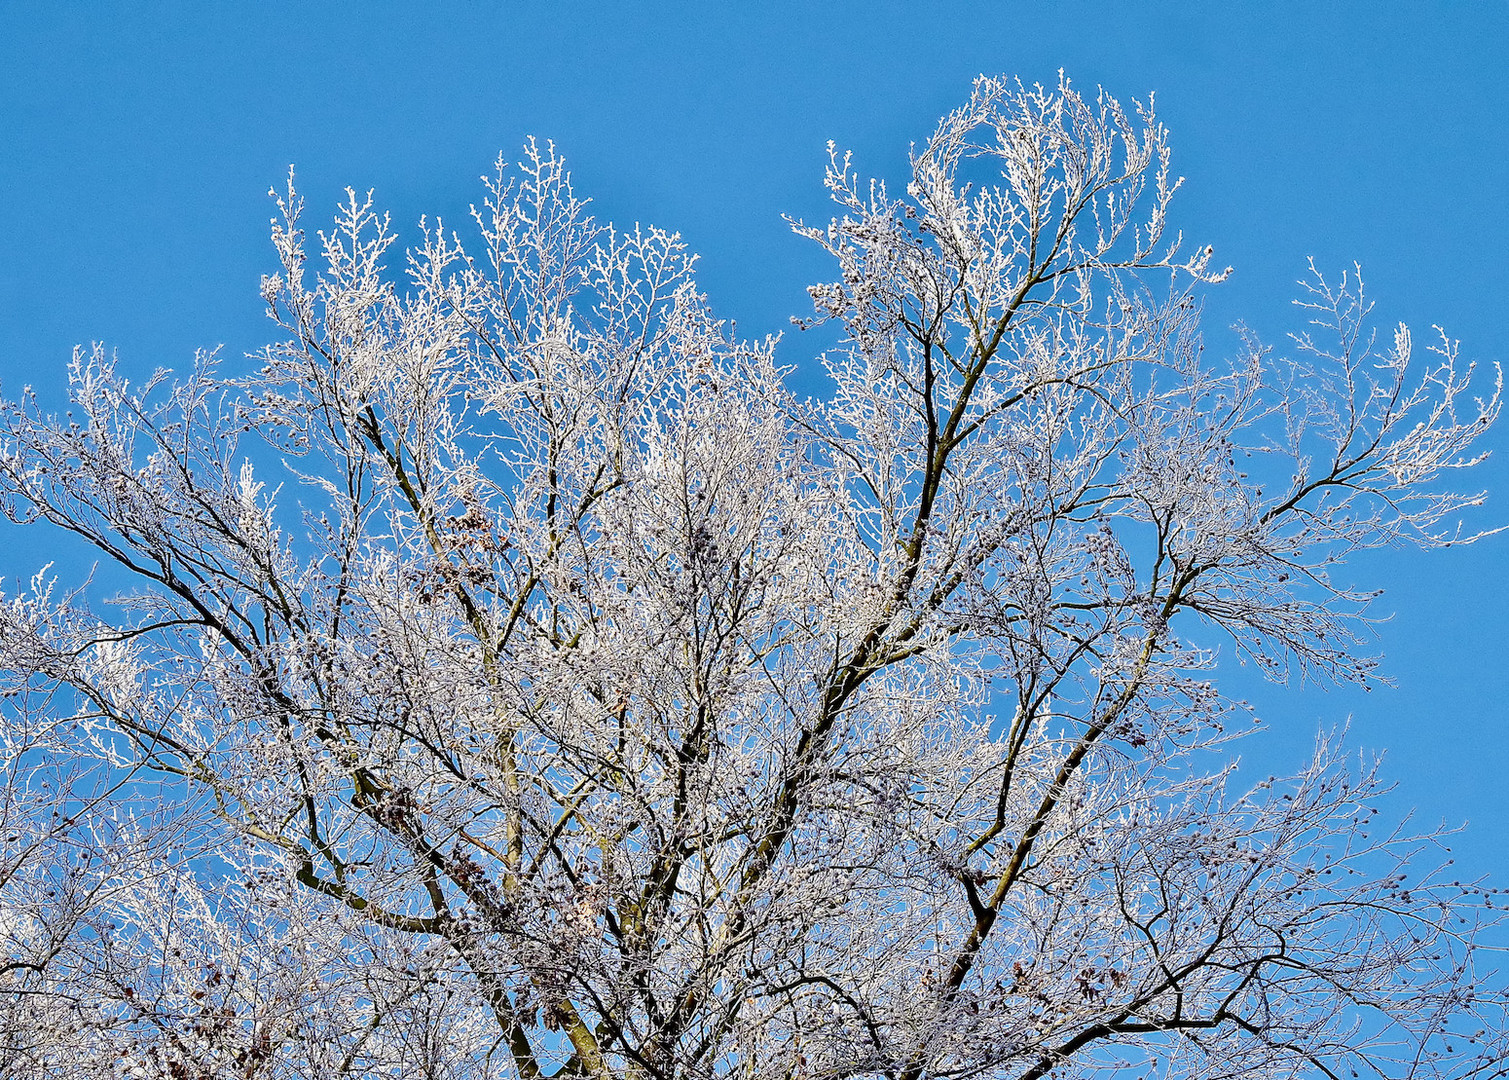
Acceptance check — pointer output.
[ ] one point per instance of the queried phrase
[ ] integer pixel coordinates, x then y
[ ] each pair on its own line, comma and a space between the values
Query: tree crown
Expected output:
517, 678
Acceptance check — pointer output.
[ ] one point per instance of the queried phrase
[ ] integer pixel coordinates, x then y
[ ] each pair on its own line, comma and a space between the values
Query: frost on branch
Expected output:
511, 677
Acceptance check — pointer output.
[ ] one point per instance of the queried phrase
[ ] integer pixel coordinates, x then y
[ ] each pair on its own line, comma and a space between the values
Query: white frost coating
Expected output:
584, 703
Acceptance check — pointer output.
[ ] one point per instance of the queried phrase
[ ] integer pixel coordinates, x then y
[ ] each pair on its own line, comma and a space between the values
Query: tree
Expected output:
512, 676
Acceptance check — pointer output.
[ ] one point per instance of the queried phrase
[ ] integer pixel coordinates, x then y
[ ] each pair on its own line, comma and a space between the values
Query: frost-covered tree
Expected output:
512, 676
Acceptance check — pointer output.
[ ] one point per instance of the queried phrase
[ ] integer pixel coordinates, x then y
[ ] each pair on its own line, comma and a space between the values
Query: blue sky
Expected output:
137, 144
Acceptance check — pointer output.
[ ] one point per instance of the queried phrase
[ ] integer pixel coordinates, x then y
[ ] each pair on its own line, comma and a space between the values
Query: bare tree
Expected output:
511, 676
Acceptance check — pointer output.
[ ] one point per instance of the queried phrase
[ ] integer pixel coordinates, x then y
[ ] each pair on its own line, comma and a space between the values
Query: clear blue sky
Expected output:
137, 144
